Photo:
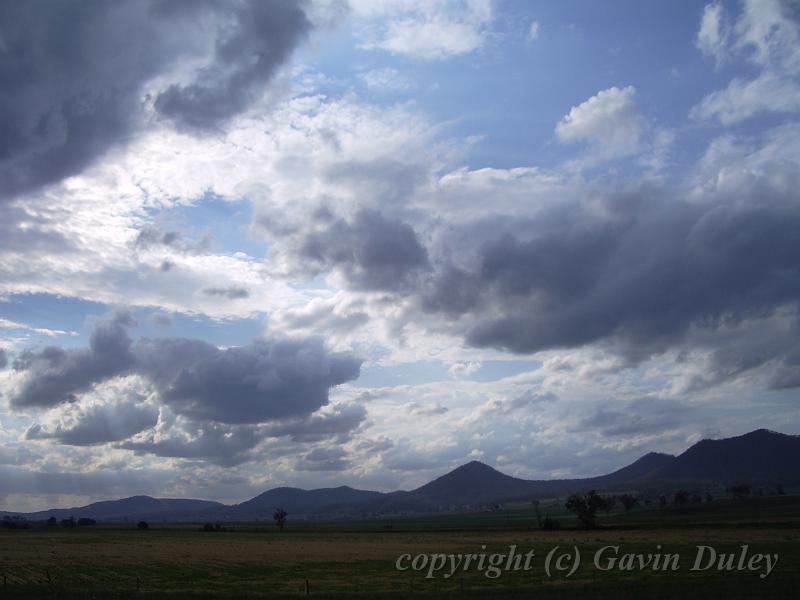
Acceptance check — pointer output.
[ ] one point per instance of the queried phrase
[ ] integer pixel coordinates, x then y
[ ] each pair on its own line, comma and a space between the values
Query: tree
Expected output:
51, 522
279, 516
709, 498
585, 507
680, 498
739, 491
68, 522
628, 501
142, 525
86, 521
662, 501
535, 503
779, 490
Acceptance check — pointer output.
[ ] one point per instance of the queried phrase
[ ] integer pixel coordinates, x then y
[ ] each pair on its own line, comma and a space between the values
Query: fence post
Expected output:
138, 584
307, 587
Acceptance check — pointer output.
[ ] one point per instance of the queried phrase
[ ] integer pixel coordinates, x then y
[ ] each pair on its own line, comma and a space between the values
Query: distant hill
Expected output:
759, 457
133, 508
299, 501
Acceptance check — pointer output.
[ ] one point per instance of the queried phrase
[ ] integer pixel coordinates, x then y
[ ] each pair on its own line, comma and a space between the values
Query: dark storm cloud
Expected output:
635, 271
231, 293
73, 74
57, 375
264, 34
373, 252
263, 381
101, 424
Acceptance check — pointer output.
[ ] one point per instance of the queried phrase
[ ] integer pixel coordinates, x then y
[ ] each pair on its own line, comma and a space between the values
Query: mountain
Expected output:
133, 508
759, 457
298, 501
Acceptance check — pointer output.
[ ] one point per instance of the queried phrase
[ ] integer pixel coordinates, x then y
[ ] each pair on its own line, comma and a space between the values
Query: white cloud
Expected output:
387, 80
711, 38
422, 29
463, 369
743, 99
533, 31
609, 121
768, 38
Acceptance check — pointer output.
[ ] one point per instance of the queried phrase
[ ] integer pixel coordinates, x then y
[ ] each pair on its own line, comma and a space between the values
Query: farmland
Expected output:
358, 557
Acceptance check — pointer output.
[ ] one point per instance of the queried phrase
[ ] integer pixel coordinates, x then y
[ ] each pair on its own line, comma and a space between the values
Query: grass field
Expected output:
358, 558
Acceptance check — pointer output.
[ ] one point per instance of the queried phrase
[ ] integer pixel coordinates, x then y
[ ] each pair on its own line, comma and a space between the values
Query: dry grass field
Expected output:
343, 559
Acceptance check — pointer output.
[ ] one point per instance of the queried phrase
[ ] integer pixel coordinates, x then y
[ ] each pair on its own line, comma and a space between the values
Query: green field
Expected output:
358, 558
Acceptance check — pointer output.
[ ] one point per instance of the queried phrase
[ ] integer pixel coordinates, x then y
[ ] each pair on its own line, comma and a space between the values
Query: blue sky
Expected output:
397, 235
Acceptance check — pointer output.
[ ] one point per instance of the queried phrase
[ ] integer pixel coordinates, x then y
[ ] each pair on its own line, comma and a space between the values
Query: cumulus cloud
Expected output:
100, 424
371, 251
609, 121
218, 443
263, 381
77, 78
262, 36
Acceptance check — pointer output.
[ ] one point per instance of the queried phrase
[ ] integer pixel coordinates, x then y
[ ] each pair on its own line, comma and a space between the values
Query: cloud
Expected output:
766, 34
743, 98
324, 459
3, 359
78, 79
56, 375
261, 38
371, 251
336, 421
219, 443
386, 80
533, 31
228, 445
100, 424
423, 30
712, 36
609, 121
152, 236
464, 369
231, 293
641, 416
265, 380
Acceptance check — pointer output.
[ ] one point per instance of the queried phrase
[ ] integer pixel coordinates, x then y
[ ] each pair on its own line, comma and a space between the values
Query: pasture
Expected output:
357, 558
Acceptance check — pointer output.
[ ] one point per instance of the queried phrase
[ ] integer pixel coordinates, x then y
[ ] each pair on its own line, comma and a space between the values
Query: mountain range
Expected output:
759, 457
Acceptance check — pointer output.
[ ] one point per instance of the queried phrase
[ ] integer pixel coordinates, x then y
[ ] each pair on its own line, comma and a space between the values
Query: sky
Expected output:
246, 244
